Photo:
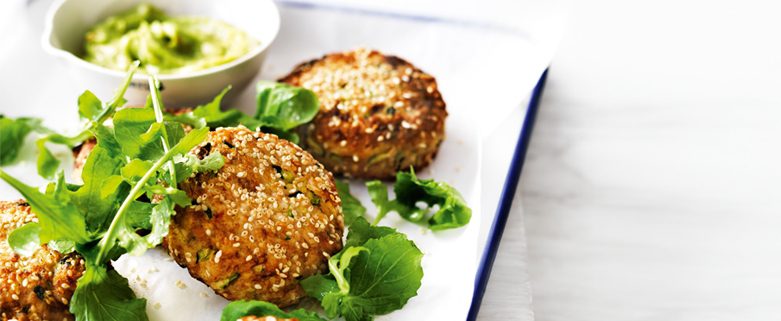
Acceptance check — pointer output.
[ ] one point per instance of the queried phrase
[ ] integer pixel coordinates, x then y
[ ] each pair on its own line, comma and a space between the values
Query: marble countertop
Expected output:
650, 191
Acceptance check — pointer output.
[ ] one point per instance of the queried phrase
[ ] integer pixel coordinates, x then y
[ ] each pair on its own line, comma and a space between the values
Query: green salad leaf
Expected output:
104, 295
410, 190
140, 157
351, 206
377, 272
284, 107
373, 279
25, 239
359, 230
239, 309
12, 135
280, 109
58, 218
93, 112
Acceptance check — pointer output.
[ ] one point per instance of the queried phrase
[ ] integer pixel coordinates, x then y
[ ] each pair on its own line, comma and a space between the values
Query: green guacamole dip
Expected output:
163, 44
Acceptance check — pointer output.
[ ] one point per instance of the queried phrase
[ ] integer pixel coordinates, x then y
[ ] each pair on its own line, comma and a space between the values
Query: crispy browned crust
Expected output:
269, 217
38, 287
378, 114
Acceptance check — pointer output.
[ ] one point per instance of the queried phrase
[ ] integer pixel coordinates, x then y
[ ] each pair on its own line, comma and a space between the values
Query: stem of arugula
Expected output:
157, 104
344, 286
110, 237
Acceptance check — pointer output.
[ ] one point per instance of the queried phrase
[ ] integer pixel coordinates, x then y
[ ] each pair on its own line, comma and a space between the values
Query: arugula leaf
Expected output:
94, 112
354, 213
103, 186
453, 211
188, 164
139, 134
410, 190
281, 108
58, 218
379, 196
239, 309
103, 295
12, 135
374, 279
376, 272
90, 107
25, 239
361, 231
318, 286
211, 115
284, 107
351, 206
140, 155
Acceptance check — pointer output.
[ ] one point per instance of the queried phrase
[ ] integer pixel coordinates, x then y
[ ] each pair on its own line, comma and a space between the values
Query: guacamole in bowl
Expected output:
164, 44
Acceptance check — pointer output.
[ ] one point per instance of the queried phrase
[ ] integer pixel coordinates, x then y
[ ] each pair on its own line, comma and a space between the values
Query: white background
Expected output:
651, 190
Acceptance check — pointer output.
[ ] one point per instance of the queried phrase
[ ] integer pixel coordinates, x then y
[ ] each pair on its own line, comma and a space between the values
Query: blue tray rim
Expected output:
506, 199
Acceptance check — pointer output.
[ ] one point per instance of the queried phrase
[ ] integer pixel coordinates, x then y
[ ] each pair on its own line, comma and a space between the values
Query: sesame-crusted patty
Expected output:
38, 287
378, 114
269, 217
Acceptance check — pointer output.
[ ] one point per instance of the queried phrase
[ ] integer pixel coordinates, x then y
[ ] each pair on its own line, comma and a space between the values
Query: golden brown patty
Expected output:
378, 114
268, 218
38, 287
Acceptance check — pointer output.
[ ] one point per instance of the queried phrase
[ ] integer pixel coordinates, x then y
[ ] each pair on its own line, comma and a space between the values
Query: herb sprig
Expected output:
93, 113
142, 154
452, 211
376, 273
280, 109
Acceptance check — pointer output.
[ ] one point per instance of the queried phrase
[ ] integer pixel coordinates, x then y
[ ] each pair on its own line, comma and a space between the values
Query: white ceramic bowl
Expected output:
68, 21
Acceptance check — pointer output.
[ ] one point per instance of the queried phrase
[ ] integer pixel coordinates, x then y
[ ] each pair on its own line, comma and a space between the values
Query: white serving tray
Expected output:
485, 71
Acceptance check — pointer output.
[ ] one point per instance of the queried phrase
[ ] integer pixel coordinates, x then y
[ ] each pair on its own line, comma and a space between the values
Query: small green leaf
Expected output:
380, 279
188, 164
138, 134
211, 115
339, 264
284, 107
25, 239
410, 190
12, 136
103, 295
47, 163
58, 218
239, 309
317, 286
103, 186
351, 206
134, 170
62, 246
90, 107
453, 211
138, 215
189, 141
361, 231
